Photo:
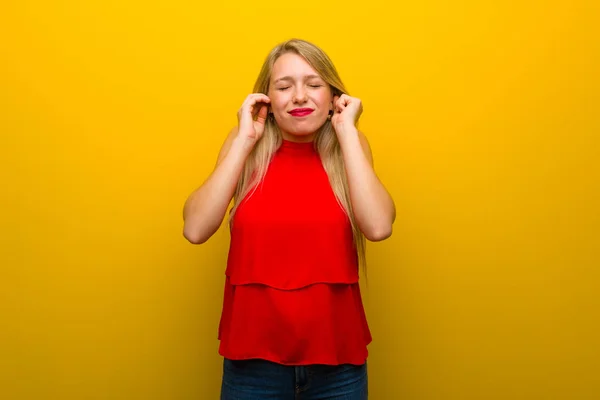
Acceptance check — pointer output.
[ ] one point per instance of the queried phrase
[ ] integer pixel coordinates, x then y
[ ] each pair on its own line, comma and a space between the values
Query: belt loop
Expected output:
301, 376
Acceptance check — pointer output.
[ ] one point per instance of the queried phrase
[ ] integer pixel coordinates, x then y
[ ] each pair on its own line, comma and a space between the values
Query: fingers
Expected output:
253, 99
341, 102
249, 106
261, 115
252, 102
256, 98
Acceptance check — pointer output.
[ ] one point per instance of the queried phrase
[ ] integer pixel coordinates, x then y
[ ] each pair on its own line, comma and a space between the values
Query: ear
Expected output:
334, 101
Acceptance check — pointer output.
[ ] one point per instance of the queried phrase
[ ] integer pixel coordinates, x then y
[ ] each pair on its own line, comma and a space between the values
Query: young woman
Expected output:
306, 197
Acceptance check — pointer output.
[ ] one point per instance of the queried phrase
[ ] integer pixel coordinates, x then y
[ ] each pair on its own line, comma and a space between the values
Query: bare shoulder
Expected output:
227, 144
364, 142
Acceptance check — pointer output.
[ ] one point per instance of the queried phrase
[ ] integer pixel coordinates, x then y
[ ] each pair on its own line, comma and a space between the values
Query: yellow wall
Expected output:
483, 118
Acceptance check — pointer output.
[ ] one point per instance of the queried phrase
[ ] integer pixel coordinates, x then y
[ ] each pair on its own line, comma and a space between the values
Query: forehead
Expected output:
291, 64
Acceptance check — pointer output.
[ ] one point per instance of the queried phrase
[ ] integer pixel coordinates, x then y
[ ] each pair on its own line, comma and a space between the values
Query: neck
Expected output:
298, 138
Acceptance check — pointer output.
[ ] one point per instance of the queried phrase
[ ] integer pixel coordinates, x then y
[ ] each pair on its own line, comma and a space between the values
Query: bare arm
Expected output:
373, 206
205, 208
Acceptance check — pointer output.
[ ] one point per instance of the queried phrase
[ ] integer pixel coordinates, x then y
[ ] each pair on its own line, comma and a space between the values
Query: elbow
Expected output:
379, 233
193, 235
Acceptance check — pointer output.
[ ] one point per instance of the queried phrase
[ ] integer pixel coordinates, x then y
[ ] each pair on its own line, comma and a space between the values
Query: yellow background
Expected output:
483, 118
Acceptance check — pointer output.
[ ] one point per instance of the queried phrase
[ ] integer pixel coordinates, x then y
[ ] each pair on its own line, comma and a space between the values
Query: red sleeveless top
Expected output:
291, 289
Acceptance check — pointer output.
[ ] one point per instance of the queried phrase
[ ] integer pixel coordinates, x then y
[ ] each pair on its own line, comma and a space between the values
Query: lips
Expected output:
301, 112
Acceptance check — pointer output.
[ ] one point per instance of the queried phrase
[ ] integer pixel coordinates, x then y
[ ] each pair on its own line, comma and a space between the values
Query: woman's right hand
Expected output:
252, 116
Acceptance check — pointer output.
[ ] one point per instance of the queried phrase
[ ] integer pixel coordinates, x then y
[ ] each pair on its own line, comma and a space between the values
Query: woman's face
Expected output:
300, 99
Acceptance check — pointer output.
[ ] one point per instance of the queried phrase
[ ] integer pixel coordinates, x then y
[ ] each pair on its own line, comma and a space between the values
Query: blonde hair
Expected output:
326, 142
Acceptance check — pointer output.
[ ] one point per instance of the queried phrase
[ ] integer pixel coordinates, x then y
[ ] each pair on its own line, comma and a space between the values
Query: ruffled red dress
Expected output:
291, 290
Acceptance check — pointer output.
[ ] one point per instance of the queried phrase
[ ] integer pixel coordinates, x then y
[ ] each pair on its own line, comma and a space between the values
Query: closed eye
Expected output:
283, 88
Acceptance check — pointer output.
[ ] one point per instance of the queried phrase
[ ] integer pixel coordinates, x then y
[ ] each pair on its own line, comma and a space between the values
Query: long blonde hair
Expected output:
326, 142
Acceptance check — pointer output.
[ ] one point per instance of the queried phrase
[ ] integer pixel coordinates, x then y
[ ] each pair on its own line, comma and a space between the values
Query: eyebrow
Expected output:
289, 78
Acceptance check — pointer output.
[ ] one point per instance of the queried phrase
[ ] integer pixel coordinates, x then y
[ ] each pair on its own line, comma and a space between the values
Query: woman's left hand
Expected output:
346, 112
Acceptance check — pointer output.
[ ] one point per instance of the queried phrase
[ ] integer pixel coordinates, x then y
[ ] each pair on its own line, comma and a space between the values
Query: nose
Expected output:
300, 95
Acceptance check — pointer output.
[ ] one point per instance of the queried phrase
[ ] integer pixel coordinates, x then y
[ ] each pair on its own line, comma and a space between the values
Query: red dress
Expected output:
291, 290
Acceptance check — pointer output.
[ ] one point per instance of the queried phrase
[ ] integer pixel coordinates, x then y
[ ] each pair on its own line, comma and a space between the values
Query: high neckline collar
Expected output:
304, 147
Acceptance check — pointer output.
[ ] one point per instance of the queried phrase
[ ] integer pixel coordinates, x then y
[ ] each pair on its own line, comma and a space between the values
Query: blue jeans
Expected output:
263, 380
